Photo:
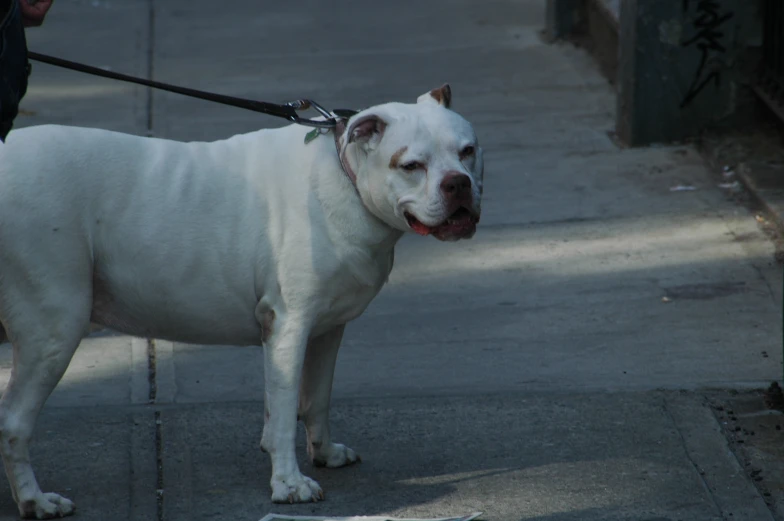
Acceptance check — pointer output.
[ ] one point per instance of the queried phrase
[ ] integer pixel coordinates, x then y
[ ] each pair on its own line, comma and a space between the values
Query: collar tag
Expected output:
316, 132
310, 136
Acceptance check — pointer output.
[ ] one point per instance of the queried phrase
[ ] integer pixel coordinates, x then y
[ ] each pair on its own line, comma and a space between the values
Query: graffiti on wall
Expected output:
705, 23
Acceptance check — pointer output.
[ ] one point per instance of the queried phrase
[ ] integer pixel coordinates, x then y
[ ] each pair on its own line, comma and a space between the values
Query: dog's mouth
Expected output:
461, 224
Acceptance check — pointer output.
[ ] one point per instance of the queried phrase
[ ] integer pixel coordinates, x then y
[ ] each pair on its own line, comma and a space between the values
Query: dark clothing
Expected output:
14, 67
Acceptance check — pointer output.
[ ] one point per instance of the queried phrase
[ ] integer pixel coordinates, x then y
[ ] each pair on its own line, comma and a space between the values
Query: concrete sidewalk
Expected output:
533, 373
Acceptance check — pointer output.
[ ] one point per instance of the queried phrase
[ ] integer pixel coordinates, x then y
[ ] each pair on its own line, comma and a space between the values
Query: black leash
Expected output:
286, 111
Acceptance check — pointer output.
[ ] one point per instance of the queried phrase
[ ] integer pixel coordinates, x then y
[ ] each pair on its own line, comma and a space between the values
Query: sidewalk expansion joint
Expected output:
700, 473
152, 372
150, 63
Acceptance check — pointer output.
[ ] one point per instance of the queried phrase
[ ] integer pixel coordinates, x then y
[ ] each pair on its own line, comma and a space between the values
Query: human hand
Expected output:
34, 11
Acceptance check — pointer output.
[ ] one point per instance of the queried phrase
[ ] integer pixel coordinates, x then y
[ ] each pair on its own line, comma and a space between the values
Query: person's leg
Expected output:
14, 66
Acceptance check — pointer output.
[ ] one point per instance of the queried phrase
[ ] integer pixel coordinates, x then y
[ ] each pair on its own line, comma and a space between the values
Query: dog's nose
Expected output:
456, 185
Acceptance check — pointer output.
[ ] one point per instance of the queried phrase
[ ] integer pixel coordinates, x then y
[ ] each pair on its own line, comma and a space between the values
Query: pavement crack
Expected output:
152, 373
765, 280
697, 470
159, 465
150, 63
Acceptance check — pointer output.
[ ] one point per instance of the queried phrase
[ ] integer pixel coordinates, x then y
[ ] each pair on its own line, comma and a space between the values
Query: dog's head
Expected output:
418, 166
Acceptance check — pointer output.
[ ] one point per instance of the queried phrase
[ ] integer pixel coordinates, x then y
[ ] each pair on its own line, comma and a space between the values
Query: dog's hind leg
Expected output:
314, 396
44, 332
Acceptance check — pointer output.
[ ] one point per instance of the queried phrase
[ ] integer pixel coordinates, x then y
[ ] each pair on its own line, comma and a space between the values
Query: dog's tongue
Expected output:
420, 228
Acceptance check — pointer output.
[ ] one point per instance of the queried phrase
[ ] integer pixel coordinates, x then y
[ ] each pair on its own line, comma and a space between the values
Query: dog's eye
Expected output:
467, 151
411, 166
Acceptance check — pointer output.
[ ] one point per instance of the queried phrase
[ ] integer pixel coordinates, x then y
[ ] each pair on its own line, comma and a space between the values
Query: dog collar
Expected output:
339, 130
339, 118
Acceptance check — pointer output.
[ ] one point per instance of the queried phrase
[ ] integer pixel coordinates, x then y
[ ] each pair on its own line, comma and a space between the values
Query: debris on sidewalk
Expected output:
730, 186
281, 517
682, 188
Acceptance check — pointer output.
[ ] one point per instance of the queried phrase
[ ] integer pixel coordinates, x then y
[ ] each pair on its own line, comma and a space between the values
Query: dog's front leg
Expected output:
314, 397
284, 353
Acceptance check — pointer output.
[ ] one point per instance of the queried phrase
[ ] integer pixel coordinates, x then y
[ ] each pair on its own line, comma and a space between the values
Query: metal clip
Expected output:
304, 104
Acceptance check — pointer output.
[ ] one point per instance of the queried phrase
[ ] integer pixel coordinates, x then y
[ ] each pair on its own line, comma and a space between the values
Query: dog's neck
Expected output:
342, 204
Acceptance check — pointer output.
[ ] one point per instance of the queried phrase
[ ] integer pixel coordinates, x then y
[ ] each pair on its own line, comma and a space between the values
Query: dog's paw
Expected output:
334, 455
46, 506
295, 489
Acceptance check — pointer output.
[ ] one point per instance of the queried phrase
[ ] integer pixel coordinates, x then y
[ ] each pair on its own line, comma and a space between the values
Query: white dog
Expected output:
259, 239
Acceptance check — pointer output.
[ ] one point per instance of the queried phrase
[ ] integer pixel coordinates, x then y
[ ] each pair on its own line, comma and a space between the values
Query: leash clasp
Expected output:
305, 104
331, 120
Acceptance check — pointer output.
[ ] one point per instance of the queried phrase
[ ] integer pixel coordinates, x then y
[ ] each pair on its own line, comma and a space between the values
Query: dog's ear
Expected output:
441, 95
367, 129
